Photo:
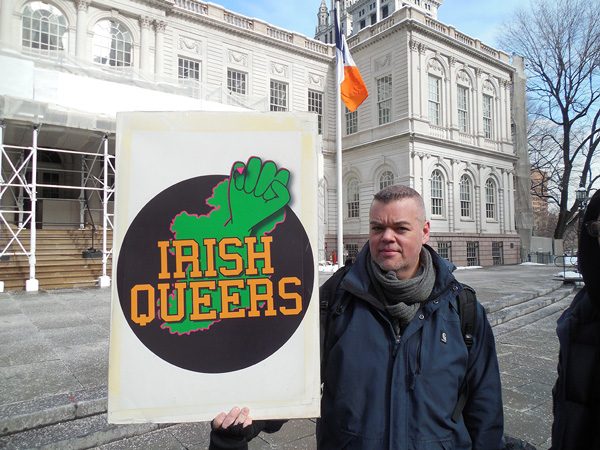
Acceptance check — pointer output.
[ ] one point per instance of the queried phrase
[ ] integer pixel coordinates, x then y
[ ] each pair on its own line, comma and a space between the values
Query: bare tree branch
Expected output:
560, 42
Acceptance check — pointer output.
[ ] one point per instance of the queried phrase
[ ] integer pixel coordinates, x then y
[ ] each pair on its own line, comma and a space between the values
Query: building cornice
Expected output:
447, 143
216, 17
403, 20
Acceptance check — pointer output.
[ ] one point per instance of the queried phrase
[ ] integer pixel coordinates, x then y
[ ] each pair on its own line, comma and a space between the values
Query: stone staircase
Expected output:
60, 262
78, 420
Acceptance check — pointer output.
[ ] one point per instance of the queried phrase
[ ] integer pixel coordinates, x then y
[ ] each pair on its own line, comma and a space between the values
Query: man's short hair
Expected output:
400, 192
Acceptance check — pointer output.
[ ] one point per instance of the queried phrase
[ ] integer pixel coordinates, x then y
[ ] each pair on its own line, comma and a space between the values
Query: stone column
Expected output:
5, 23
159, 48
81, 32
145, 23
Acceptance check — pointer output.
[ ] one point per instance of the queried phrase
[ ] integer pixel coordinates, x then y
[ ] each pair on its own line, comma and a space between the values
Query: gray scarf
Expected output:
403, 298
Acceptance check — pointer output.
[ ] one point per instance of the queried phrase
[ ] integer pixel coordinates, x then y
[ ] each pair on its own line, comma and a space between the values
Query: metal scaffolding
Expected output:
19, 184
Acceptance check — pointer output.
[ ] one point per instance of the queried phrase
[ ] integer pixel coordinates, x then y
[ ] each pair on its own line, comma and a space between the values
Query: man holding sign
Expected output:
398, 372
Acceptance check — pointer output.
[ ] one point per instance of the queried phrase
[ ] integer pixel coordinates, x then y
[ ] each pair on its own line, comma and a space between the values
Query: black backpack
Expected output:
467, 311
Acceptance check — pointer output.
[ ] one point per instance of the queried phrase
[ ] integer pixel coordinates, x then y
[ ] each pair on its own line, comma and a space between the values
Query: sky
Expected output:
475, 18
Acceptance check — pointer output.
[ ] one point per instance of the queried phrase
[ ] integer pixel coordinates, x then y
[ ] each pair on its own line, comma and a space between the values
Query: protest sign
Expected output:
215, 287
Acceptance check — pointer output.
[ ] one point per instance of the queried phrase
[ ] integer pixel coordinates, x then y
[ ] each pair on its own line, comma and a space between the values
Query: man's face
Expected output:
396, 235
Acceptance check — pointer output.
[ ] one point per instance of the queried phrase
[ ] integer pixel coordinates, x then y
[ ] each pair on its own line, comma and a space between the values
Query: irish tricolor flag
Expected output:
352, 86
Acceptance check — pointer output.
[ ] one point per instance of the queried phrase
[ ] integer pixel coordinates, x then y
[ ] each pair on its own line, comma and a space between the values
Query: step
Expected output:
87, 432
511, 308
41, 412
514, 299
515, 324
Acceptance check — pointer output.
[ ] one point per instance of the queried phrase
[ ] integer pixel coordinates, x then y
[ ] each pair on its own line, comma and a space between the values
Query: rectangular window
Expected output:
188, 69
315, 104
278, 97
472, 253
351, 121
236, 82
384, 99
497, 253
434, 100
487, 117
463, 111
444, 249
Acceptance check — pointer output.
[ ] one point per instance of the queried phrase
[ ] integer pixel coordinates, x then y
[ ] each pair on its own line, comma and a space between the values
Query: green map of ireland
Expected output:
227, 248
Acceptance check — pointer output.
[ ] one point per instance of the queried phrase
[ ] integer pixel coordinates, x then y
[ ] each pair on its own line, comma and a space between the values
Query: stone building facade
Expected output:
438, 116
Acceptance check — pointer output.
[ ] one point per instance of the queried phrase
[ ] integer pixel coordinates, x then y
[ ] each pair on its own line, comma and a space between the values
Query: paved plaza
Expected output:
54, 364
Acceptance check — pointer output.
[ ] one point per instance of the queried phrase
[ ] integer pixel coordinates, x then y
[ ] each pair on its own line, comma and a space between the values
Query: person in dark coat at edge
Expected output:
395, 357
576, 394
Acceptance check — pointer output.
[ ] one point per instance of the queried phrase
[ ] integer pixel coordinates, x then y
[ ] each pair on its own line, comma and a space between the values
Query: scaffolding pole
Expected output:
33, 284
104, 280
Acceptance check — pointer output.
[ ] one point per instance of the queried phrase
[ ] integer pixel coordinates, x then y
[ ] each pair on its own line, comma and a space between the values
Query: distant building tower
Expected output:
323, 16
358, 14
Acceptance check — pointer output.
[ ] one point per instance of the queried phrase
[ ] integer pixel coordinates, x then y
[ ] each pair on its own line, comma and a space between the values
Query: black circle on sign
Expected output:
229, 344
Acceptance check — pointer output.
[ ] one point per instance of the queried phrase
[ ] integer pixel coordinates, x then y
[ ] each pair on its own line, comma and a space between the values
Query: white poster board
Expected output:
215, 276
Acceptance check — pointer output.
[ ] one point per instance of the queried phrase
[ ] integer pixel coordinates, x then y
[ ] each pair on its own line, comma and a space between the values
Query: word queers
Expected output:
218, 291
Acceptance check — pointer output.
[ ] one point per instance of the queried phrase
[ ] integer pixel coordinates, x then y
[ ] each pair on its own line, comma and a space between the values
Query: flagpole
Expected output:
340, 209
338, 143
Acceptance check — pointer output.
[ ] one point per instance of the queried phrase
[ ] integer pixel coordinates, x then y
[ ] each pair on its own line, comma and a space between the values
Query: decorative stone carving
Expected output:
190, 44
478, 72
382, 62
489, 87
435, 65
237, 58
316, 80
145, 22
452, 61
279, 69
463, 77
414, 45
160, 26
83, 5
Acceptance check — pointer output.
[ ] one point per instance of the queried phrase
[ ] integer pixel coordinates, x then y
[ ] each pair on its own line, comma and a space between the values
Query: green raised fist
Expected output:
257, 190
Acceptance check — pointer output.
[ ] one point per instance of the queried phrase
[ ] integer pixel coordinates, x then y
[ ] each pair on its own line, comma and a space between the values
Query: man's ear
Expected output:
426, 228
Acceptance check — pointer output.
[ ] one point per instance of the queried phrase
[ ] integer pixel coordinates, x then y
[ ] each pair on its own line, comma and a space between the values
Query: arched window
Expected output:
353, 198
490, 199
44, 27
112, 45
386, 179
437, 193
465, 197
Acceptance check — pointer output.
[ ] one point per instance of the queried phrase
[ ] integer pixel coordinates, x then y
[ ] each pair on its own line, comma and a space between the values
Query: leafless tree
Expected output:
560, 42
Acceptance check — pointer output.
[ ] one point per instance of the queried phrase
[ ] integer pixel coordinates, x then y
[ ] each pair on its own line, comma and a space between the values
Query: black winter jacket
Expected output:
576, 393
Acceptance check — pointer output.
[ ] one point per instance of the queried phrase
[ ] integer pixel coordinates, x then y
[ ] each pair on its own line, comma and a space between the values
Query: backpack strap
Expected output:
327, 296
467, 311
